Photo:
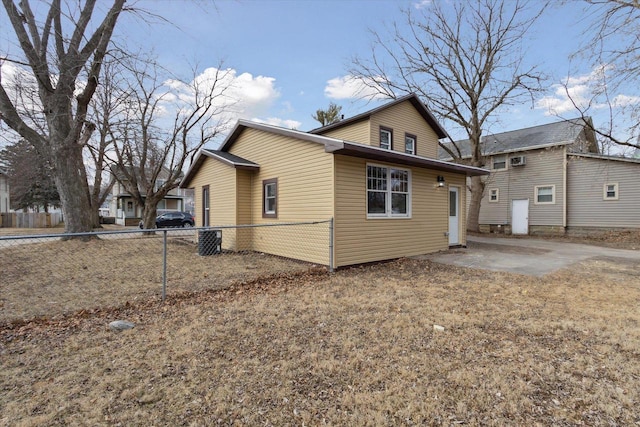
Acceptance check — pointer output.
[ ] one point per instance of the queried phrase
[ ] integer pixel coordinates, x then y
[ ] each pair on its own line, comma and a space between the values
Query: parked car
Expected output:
174, 219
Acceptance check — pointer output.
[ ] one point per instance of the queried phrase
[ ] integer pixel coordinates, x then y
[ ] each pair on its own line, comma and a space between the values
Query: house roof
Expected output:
331, 145
231, 159
603, 157
560, 133
412, 98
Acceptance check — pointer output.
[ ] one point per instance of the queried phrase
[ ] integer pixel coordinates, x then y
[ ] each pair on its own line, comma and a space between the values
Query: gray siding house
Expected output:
5, 201
551, 179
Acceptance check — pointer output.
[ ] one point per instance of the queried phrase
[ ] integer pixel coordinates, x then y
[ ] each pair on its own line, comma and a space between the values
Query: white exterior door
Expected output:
520, 216
454, 216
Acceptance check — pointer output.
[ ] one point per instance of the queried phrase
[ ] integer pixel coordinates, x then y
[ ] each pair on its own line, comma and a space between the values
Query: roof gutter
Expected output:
382, 155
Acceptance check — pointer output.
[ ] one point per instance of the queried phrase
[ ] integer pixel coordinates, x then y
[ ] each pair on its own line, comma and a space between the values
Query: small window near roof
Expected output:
386, 138
494, 195
499, 162
545, 194
270, 198
611, 191
409, 144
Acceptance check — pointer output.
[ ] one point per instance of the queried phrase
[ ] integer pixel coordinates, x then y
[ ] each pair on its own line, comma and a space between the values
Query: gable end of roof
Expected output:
412, 98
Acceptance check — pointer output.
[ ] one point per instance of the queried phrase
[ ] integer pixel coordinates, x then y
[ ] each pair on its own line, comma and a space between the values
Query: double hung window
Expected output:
410, 144
386, 138
270, 198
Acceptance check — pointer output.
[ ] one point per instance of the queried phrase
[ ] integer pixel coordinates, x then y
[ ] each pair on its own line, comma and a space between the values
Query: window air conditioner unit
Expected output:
518, 161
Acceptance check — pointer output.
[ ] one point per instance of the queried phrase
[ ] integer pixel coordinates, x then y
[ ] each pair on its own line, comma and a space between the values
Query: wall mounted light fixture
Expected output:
440, 181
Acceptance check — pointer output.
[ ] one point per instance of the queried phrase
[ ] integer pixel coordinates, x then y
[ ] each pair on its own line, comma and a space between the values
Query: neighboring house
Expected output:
126, 209
5, 201
551, 179
376, 174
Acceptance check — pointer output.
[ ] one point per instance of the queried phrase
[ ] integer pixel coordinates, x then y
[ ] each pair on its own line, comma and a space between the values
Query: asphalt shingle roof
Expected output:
559, 133
231, 158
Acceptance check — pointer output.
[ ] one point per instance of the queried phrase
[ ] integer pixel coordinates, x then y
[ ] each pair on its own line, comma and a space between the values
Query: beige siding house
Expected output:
386, 200
551, 179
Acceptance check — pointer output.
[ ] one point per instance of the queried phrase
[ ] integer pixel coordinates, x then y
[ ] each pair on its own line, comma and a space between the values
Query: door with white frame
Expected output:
454, 216
520, 216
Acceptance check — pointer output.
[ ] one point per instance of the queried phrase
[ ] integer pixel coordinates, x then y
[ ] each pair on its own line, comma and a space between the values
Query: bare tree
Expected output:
613, 50
164, 124
57, 47
328, 116
464, 59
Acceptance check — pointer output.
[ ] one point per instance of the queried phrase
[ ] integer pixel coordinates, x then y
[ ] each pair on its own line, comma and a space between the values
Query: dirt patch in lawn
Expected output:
355, 348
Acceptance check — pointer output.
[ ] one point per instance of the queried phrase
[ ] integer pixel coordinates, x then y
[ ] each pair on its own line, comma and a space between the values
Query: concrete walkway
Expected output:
534, 257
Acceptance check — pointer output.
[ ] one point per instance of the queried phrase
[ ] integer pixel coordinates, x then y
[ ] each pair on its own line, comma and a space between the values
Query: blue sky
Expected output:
289, 58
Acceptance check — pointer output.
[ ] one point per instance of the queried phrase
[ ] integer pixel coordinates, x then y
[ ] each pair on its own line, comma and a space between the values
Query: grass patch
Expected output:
354, 348
57, 278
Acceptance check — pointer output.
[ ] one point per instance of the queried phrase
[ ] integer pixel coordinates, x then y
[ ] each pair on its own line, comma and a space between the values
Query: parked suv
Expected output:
174, 219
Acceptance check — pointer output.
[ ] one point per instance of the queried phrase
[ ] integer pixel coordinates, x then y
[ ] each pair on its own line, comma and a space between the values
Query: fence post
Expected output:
331, 245
164, 265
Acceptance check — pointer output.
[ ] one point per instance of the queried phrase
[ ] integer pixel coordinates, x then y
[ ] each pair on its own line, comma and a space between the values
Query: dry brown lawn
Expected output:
354, 348
58, 278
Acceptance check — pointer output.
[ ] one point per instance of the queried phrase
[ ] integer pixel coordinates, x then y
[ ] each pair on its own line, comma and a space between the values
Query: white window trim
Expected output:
497, 195
268, 185
506, 162
390, 132
389, 214
604, 191
553, 195
413, 138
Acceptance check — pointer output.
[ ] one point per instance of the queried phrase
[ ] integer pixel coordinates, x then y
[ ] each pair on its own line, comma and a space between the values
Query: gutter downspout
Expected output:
564, 189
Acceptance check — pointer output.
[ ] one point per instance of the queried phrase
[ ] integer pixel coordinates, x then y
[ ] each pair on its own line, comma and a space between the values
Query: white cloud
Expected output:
422, 4
245, 96
586, 91
350, 87
275, 121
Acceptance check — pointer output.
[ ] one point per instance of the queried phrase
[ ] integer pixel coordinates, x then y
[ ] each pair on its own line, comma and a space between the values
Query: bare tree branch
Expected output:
464, 59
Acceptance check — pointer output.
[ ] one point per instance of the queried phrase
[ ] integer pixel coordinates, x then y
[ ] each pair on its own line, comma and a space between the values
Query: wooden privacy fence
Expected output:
30, 219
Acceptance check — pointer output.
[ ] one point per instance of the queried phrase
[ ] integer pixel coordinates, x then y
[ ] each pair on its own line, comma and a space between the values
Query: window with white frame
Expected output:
270, 198
499, 162
410, 144
388, 192
610, 191
494, 195
545, 194
386, 138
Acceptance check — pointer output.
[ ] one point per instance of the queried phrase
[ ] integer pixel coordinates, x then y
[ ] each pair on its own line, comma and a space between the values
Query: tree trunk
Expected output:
149, 216
72, 185
477, 190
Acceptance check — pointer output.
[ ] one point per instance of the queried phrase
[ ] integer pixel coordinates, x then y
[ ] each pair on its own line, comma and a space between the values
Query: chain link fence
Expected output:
49, 275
